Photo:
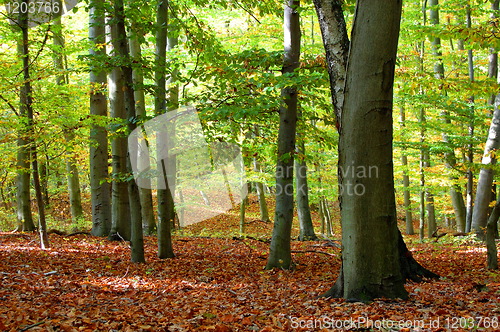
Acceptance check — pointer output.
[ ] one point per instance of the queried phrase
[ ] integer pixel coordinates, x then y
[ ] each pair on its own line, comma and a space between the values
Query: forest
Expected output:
190, 165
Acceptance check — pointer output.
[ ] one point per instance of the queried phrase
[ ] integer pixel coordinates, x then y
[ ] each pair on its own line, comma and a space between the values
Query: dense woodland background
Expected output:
225, 59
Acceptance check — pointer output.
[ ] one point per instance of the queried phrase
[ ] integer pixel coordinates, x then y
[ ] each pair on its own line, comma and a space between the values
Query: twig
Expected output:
313, 251
126, 272
26, 328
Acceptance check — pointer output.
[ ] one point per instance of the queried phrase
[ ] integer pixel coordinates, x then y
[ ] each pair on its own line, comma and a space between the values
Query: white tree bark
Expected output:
484, 192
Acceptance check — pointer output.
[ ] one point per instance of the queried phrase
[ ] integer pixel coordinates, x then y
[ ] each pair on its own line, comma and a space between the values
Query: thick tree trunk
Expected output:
370, 256
280, 253
99, 174
411, 270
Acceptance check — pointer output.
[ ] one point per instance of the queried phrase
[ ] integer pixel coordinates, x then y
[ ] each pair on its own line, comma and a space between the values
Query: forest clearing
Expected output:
86, 283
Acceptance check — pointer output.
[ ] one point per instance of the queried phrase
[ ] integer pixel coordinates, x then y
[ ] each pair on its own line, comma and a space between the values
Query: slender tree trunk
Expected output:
166, 212
23, 196
336, 44
264, 212
71, 163
421, 227
146, 195
99, 174
120, 44
280, 253
304, 212
470, 152
457, 199
406, 182
42, 226
120, 206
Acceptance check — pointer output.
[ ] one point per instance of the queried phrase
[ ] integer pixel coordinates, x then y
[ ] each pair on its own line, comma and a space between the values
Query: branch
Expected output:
248, 12
313, 251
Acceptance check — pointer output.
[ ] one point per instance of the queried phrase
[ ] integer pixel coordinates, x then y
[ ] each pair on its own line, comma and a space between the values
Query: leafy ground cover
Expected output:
84, 283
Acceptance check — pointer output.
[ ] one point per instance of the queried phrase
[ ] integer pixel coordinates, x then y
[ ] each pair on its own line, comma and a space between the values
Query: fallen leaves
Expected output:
85, 283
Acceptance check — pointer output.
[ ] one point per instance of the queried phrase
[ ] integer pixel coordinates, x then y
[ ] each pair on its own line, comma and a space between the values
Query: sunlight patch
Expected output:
171, 152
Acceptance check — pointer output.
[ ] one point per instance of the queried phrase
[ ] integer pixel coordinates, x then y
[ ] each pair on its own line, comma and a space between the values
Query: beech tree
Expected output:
99, 186
375, 260
280, 253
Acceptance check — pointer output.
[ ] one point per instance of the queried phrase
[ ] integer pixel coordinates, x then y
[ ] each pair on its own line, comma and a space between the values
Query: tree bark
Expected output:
120, 207
31, 139
264, 212
470, 153
491, 233
483, 192
336, 44
280, 252
121, 47
457, 199
73, 178
166, 212
406, 183
303, 210
99, 186
146, 195
23, 196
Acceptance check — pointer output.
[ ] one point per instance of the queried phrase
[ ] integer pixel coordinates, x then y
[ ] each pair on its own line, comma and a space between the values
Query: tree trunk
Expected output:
166, 212
146, 194
370, 256
73, 179
120, 44
457, 199
23, 195
99, 185
491, 233
470, 153
483, 192
264, 212
120, 207
361, 61
280, 253
410, 270
406, 181
42, 226
336, 44
303, 210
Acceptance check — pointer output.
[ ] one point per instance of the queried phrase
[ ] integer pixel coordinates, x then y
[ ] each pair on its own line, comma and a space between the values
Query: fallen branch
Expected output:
313, 251
26, 328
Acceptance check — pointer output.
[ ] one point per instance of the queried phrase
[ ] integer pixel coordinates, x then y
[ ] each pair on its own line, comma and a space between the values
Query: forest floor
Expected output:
217, 283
